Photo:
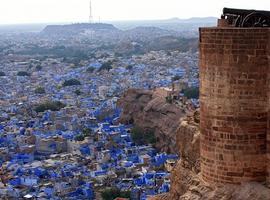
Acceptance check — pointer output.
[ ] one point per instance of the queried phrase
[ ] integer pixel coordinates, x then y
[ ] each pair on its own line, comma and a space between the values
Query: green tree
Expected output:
79, 137
129, 67
169, 53
30, 66
71, 82
87, 132
113, 193
140, 137
106, 66
23, 73
2, 74
40, 90
169, 99
191, 93
38, 67
90, 69
117, 54
176, 78
78, 92
49, 105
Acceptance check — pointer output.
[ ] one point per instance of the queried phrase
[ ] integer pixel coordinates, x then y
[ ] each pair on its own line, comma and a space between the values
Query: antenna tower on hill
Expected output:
90, 14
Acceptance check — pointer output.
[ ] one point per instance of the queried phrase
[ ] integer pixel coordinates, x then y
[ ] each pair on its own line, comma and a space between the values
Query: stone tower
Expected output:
234, 103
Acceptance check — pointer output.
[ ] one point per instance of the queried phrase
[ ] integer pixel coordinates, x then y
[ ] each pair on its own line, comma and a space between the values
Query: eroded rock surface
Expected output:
186, 183
149, 110
178, 132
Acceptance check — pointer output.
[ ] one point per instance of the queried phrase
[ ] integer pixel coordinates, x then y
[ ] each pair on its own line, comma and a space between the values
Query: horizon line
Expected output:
103, 21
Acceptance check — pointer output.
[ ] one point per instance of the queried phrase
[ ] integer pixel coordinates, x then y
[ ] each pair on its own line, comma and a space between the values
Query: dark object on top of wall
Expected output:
246, 18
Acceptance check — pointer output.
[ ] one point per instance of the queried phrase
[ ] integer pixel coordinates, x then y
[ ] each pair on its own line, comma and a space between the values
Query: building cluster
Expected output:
54, 165
77, 151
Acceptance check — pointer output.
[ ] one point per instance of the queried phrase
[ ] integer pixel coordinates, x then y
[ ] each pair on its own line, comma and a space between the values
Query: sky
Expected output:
73, 11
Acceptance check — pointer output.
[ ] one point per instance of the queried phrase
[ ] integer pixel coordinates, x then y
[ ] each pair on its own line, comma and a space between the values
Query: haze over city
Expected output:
51, 11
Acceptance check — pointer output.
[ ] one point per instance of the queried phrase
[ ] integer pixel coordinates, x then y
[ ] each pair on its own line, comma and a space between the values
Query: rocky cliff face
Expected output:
179, 133
186, 183
150, 111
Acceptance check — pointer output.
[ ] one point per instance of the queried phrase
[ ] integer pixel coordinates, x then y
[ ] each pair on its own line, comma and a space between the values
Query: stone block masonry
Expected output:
235, 104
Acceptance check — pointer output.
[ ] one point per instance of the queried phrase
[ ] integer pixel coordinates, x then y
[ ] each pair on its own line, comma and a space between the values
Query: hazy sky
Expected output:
36, 11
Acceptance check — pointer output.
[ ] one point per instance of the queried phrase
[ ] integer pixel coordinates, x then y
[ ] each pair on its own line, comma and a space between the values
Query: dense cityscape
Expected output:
60, 130
134, 100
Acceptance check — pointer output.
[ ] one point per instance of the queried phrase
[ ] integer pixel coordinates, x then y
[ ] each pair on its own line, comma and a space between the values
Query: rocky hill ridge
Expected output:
77, 28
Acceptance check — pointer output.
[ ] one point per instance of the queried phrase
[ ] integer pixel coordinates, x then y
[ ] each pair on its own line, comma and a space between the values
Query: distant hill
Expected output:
173, 43
193, 20
142, 33
187, 27
22, 28
148, 29
74, 29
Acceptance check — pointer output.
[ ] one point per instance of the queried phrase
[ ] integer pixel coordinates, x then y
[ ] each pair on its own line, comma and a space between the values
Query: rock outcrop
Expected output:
178, 132
150, 111
186, 183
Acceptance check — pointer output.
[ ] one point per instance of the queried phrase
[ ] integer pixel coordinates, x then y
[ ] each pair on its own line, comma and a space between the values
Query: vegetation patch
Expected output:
113, 193
49, 105
86, 132
71, 82
141, 137
129, 67
78, 92
90, 69
38, 67
191, 93
169, 100
23, 73
40, 90
2, 74
176, 78
106, 66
